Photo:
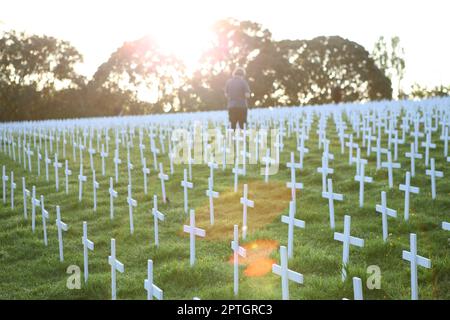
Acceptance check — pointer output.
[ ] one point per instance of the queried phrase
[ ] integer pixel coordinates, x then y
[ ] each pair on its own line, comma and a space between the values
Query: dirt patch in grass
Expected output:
271, 199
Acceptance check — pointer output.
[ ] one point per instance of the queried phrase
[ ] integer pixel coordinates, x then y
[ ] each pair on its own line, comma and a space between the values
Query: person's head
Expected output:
239, 72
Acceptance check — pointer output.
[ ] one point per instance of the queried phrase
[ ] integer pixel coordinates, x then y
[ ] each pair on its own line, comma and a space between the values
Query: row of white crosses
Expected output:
323, 139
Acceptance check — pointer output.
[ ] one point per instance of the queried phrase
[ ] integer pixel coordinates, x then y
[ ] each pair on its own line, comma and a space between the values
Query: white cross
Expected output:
5, 178
186, 184
26, 193
155, 151
131, 203
193, 231
413, 155
13, 187
237, 251
95, 186
81, 179
56, 165
427, 145
446, 226
390, 165
385, 212
129, 165
245, 203
152, 290
116, 161
267, 160
350, 146
212, 165
445, 138
211, 194
112, 195
433, 175
293, 184
116, 265
407, 188
286, 274
87, 245
61, 227
91, 152
378, 151
163, 177
157, 215
67, 173
29, 154
357, 289
302, 150
38, 159
362, 179
103, 155
47, 161
145, 172
34, 202
325, 171
331, 197
236, 172
358, 160
45, 216
347, 240
415, 261
292, 222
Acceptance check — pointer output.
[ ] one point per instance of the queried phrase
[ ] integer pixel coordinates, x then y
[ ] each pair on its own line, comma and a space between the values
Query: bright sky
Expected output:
98, 27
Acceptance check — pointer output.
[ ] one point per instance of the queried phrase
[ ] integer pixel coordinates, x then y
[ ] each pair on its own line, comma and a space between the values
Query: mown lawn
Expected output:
29, 270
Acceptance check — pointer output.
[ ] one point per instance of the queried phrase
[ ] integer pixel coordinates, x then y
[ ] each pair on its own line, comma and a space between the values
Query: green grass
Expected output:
29, 270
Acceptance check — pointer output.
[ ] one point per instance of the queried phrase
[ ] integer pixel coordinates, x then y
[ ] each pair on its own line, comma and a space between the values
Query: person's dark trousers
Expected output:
237, 115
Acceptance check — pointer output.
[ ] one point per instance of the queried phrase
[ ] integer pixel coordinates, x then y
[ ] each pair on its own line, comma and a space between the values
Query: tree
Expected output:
323, 65
390, 59
421, 92
32, 68
139, 71
236, 43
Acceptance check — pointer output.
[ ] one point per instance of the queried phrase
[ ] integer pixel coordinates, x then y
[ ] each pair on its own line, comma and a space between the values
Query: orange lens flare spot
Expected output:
257, 261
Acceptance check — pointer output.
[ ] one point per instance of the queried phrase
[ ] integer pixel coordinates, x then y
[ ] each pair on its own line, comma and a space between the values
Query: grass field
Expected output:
29, 270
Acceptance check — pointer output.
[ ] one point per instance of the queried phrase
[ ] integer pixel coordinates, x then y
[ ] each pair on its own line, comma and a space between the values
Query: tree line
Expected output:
38, 78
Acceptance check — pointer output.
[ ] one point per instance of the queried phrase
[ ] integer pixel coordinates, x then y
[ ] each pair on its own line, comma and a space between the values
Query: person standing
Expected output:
237, 91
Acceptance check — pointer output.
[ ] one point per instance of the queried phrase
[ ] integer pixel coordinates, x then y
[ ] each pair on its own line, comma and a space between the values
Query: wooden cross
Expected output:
245, 203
